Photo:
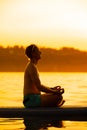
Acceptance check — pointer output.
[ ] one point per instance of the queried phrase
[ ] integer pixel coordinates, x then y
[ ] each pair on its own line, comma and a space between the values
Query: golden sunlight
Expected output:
51, 23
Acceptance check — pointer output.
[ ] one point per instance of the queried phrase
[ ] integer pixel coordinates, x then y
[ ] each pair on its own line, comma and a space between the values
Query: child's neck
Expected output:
34, 61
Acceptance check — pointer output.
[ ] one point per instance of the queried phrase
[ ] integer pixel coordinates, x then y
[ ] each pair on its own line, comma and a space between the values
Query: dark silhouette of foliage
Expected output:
62, 60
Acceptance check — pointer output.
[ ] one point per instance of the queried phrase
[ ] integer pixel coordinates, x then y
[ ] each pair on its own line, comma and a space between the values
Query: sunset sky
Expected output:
48, 23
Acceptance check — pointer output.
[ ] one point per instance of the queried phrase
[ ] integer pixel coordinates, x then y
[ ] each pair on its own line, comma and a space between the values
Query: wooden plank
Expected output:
61, 113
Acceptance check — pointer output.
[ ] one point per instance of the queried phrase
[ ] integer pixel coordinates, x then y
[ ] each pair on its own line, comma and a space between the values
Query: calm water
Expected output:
11, 89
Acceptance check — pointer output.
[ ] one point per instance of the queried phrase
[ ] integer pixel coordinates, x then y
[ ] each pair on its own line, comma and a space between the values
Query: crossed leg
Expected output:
51, 100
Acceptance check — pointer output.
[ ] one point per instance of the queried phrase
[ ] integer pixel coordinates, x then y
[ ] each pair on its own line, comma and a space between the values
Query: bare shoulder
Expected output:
31, 68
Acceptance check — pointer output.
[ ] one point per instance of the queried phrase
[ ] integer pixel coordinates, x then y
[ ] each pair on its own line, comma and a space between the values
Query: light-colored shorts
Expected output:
32, 100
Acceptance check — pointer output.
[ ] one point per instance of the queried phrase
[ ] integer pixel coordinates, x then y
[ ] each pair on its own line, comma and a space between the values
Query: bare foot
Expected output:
62, 102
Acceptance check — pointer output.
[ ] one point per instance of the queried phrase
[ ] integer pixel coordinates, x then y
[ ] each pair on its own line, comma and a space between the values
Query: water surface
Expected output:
11, 95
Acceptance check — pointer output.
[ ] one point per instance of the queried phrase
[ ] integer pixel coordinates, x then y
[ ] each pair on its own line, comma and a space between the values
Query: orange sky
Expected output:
49, 23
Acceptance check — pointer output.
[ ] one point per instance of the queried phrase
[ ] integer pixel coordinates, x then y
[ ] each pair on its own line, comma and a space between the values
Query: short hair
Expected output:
29, 50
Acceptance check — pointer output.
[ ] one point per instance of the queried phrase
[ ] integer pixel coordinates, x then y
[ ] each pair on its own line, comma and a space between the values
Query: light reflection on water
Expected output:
11, 95
40, 124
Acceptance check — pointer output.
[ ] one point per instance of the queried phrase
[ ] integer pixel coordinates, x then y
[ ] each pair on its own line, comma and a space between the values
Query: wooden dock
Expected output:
67, 113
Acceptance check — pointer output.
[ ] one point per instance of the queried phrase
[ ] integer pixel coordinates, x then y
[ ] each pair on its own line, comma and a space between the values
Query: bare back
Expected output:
31, 79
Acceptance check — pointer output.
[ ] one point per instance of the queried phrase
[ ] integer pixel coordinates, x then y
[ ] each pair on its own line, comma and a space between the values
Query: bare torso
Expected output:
30, 80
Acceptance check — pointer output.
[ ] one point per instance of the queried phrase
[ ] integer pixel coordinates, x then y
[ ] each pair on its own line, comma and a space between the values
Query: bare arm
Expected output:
47, 89
37, 82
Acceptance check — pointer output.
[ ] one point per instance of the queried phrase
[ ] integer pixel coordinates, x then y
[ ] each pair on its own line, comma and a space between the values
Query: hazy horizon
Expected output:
46, 47
52, 60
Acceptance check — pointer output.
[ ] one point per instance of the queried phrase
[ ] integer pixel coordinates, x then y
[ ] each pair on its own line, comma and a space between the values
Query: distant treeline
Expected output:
62, 60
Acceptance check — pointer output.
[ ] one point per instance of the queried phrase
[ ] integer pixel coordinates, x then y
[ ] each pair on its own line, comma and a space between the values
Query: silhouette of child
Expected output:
33, 87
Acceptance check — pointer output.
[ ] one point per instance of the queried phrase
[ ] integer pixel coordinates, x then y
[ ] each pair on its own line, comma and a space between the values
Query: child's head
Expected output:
33, 51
